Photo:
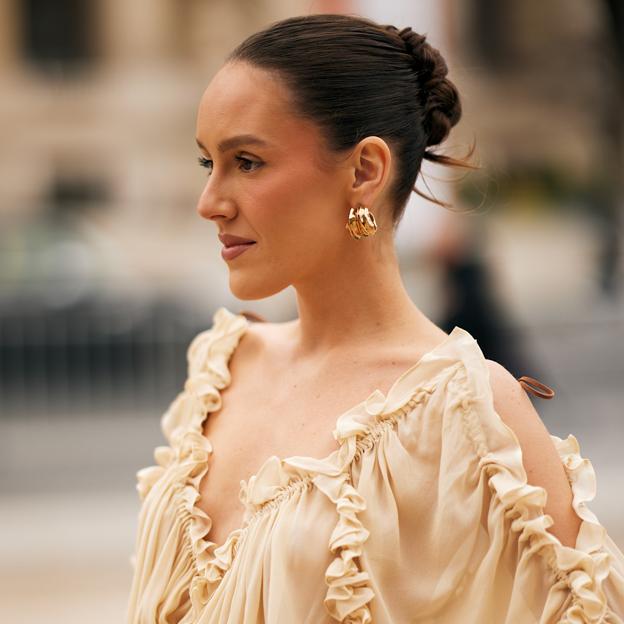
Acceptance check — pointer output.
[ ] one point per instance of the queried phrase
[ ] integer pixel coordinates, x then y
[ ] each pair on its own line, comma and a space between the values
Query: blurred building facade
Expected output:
99, 111
99, 234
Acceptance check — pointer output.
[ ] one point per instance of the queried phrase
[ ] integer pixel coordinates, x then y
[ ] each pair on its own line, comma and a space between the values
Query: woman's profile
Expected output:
356, 464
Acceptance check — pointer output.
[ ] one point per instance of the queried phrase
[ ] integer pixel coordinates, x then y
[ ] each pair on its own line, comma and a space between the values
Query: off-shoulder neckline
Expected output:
209, 358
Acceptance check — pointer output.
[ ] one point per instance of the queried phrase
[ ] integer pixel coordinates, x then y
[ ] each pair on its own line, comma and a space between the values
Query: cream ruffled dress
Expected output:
422, 515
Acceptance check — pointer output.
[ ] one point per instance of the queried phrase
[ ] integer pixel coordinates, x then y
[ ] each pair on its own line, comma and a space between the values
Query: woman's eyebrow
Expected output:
236, 141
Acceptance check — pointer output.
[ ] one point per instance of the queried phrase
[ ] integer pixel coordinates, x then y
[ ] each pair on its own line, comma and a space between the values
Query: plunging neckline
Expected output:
346, 424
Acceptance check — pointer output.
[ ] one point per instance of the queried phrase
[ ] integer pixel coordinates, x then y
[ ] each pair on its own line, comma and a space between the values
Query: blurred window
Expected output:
69, 195
57, 36
492, 33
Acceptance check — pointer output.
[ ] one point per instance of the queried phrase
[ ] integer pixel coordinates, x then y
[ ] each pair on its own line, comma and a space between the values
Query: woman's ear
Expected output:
371, 159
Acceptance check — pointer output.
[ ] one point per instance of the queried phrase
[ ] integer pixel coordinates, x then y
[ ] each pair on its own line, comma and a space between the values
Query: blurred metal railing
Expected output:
93, 357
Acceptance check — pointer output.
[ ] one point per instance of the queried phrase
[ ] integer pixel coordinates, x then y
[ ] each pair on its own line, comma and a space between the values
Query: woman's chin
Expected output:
248, 289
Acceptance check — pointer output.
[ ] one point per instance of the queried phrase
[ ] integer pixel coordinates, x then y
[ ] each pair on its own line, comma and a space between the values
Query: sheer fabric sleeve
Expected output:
460, 536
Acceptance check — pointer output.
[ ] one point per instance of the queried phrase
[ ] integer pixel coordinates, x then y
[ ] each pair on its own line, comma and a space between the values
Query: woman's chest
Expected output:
244, 434
259, 420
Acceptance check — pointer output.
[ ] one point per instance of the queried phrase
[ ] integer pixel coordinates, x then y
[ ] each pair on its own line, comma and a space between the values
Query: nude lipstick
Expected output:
234, 245
227, 253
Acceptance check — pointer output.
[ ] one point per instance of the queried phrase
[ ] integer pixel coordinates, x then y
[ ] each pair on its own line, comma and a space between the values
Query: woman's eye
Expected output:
246, 164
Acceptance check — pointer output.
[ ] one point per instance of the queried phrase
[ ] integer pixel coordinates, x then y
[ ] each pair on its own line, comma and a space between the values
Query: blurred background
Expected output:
107, 271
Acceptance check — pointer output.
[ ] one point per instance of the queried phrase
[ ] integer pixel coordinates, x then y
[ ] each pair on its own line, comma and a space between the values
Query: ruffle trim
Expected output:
211, 562
583, 569
189, 452
349, 590
147, 477
208, 358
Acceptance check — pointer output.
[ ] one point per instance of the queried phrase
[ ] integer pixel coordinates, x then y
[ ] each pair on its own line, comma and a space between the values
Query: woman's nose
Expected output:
213, 204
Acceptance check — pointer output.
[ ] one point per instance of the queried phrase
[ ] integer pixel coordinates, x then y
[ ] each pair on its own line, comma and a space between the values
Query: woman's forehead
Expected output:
246, 99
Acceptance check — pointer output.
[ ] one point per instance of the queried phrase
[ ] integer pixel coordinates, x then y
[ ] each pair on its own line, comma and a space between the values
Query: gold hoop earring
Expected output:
361, 222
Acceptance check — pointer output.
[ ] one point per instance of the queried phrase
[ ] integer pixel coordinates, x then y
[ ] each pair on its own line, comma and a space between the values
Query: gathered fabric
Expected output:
422, 515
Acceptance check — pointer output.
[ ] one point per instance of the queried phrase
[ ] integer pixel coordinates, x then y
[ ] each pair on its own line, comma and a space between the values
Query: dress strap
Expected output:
252, 316
544, 391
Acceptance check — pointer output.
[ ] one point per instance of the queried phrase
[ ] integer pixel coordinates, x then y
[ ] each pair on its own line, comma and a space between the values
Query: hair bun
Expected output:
439, 96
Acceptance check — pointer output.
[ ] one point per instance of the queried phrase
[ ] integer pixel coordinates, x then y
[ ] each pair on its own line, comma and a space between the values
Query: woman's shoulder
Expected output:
540, 457
234, 340
262, 337
227, 329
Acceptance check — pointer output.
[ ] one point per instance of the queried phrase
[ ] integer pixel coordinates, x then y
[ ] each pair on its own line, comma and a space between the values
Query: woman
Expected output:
288, 491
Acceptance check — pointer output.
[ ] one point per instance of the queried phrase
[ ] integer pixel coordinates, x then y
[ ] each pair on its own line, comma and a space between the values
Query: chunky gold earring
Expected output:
361, 223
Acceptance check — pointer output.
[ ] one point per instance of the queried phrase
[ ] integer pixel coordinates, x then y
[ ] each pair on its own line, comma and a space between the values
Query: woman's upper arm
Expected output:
539, 455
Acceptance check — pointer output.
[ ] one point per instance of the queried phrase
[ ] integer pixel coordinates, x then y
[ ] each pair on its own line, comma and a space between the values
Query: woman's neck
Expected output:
355, 301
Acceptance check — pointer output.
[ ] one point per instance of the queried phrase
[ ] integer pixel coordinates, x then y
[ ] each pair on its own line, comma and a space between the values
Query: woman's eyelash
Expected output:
204, 162
207, 163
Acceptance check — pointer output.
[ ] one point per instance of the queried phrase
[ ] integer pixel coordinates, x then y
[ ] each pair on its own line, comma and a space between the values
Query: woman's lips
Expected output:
227, 253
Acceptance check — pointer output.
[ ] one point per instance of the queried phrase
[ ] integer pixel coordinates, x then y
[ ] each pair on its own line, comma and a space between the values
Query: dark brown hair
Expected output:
356, 78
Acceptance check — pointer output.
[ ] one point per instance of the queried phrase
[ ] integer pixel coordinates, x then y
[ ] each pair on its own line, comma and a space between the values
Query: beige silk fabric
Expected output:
422, 515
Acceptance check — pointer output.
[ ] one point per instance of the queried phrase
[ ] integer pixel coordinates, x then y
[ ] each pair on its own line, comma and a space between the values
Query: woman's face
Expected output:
269, 179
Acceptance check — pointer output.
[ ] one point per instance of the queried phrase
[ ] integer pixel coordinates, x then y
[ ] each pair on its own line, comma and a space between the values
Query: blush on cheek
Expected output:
292, 205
